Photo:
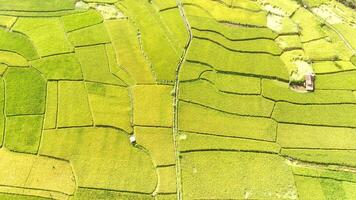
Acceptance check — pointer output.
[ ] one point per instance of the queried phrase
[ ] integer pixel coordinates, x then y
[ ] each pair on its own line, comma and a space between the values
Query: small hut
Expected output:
309, 82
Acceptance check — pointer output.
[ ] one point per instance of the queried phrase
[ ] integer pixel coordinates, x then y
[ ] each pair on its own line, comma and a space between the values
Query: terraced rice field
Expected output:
202, 85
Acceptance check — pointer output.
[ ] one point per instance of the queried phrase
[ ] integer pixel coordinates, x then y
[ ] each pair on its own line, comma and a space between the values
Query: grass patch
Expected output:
203, 178
45, 31
328, 115
164, 4
324, 173
5, 196
59, 13
154, 140
348, 32
168, 179
59, 67
258, 45
95, 65
280, 91
12, 59
91, 35
191, 71
336, 157
16, 42
200, 119
289, 42
118, 165
37, 5
152, 105
224, 13
247, 63
81, 20
298, 136
50, 119
310, 26
325, 50
30, 97
204, 93
110, 105
154, 31
34, 174
128, 52
115, 69
73, 105
234, 83
320, 188
339, 81
2, 117
83, 193
231, 32
194, 142
7, 21
23, 133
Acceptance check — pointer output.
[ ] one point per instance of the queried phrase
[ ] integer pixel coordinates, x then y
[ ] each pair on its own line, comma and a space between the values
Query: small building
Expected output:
309, 82
133, 139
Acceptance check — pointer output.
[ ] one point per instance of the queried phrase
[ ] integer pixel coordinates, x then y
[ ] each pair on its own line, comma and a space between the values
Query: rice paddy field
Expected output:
177, 100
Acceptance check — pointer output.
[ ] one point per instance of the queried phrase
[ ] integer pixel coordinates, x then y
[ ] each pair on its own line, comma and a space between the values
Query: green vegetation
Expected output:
230, 83
233, 103
324, 173
154, 139
81, 20
224, 13
280, 91
310, 26
73, 105
36, 5
230, 32
254, 46
12, 59
152, 105
2, 117
19, 197
50, 118
18, 43
127, 48
84, 193
321, 188
115, 69
30, 97
23, 133
187, 99
329, 115
95, 65
203, 177
195, 142
336, 157
119, 166
167, 180
293, 136
164, 4
204, 120
37, 30
248, 63
91, 35
47, 177
7, 21
64, 66
339, 81
165, 56
110, 105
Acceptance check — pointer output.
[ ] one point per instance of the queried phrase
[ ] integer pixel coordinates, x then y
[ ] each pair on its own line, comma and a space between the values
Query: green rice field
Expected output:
177, 100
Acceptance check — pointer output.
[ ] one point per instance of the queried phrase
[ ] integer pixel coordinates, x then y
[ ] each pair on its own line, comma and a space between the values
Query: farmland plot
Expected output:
166, 99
